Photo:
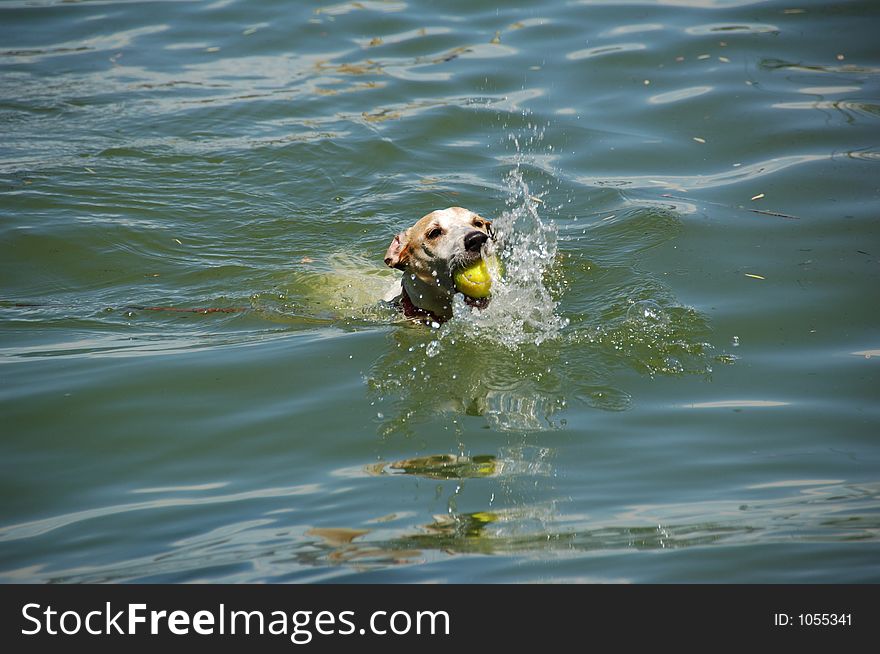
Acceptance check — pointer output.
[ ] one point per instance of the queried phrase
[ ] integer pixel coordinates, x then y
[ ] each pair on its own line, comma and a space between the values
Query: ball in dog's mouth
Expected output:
475, 280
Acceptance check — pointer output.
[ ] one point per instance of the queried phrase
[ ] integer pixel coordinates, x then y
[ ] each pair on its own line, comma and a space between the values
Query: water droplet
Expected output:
645, 311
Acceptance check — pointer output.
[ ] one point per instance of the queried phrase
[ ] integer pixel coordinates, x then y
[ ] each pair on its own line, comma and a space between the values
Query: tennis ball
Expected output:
476, 280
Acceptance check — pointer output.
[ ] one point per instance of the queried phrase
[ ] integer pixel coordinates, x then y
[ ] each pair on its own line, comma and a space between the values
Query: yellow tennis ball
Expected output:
476, 280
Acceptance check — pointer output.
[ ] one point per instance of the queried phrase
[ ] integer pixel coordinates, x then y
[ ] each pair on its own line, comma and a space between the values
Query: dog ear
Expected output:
397, 255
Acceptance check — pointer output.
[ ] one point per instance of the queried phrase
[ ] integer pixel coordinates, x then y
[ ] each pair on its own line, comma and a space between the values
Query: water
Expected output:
675, 382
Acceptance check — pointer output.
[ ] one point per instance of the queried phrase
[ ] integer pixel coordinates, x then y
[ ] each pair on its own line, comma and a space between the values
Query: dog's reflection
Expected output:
425, 374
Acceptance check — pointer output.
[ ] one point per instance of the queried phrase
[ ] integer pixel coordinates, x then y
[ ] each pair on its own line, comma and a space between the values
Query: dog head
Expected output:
432, 250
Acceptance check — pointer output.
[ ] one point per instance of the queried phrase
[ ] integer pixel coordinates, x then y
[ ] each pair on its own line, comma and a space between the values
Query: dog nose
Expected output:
474, 241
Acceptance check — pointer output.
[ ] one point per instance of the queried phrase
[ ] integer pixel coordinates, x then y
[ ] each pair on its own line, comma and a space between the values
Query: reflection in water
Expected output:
843, 512
272, 549
509, 462
441, 466
418, 378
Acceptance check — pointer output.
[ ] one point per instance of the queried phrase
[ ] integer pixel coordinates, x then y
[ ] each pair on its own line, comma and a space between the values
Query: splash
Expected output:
522, 310
654, 338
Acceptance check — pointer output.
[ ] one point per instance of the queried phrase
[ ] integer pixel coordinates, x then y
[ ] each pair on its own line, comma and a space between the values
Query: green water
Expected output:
679, 385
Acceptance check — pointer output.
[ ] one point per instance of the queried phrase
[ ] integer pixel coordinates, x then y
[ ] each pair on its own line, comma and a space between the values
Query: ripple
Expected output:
797, 483
633, 29
181, 489
488, 51
781, 64
384, 6
735, 404
846, 107
698, 4
606, 398
701, 181
115, 41
680, 94
46, 525
653, 339
828, 90
403, 37
599, 51
109, 345
259, 549
864, 155
750, 28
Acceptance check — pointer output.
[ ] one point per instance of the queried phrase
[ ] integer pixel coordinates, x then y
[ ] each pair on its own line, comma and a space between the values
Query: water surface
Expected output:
676, 382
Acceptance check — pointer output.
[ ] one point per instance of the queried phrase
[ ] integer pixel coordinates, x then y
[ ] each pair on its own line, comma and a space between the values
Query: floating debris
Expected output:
380, 116
699, 139
758, 197
778, 214
753, 276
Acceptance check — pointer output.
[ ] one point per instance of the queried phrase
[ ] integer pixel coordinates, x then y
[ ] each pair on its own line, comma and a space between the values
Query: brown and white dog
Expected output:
429, 253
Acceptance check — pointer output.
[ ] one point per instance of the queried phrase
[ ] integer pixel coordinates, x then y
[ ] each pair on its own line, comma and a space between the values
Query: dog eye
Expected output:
434, 233
479, 224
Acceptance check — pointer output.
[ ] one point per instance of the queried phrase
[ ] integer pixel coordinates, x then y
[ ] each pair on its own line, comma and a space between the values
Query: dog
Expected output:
429, 253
